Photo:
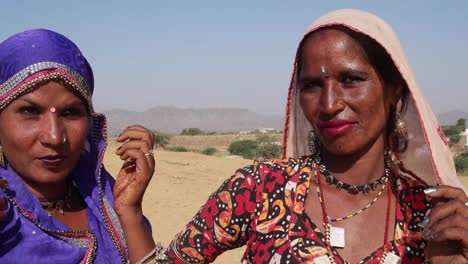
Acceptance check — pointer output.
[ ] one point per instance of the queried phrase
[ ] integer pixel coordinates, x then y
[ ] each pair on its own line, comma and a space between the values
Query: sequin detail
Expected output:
20, 76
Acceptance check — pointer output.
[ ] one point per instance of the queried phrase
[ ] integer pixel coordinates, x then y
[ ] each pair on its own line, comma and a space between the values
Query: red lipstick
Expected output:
337, 127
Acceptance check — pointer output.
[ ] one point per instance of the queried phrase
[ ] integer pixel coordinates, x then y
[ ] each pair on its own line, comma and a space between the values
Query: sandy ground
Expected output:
182, 183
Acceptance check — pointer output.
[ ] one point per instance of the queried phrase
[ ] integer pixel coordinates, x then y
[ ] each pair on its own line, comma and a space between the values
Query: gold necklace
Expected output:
59, 205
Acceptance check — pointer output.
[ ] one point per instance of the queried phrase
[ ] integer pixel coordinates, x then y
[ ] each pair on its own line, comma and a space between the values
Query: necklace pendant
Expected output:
391, 258
337, 237
366, 189
3, 184
339, 185
325, 259
50, 208
353, 189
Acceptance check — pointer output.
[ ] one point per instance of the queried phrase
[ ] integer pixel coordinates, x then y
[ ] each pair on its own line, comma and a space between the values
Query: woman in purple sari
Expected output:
57, 202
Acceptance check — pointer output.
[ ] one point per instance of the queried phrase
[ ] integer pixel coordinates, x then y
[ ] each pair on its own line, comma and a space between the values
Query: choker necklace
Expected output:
351, 188
59, 205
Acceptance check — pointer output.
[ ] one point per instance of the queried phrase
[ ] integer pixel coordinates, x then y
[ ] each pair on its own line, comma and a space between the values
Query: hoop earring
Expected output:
2, 158
400, 130
314, 144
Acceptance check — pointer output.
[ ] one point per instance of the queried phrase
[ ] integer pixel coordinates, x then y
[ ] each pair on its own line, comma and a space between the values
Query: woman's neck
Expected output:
359, 168
47, 191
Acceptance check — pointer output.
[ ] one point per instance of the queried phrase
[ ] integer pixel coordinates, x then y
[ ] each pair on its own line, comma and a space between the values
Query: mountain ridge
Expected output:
173, 119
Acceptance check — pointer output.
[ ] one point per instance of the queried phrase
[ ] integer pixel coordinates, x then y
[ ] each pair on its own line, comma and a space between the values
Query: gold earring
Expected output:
314, 144
2, 158
400, 130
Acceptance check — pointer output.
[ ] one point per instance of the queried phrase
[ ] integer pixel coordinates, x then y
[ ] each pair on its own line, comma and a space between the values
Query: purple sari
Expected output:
29, 234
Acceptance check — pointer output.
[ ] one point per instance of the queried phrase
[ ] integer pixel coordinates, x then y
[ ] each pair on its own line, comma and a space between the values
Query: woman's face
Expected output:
341, 94
43, 133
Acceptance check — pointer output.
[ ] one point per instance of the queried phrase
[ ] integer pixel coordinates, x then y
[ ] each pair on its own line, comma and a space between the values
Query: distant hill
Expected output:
451, 117
173, 119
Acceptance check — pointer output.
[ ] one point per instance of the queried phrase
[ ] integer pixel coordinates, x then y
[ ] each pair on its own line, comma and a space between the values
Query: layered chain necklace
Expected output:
335, 236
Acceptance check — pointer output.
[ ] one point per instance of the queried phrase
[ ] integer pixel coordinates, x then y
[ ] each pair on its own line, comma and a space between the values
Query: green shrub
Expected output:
269, 151
461, 164
191, 131
177, 149
245, 148
209, 151
161, 139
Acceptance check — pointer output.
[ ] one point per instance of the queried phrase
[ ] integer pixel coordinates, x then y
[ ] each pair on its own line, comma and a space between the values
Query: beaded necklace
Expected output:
387, 257
320, 197
59, 205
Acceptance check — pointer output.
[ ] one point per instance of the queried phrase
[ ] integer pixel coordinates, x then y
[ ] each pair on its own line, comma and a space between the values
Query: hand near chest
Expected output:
446, 225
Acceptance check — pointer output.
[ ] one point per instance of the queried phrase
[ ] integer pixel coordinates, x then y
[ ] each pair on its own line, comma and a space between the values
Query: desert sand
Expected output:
181, 184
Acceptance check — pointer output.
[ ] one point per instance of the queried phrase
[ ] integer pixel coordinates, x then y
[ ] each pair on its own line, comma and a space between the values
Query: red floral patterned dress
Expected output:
262, 206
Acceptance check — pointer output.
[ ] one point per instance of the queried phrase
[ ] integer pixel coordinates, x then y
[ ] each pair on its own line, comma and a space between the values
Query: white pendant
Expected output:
391, 258
337, 237
322, 260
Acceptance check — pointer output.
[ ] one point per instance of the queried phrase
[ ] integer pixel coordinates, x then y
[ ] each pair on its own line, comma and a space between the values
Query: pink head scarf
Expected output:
427, 155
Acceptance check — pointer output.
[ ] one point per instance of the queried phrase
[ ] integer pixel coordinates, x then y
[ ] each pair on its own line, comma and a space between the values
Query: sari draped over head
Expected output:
427, 155
27, 60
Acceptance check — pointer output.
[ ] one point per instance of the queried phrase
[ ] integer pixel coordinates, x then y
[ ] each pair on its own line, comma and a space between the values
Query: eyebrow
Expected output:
30, 102
308, 79
75, 103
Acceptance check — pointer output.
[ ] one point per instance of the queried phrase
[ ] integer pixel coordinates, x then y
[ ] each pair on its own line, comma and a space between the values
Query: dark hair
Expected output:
385, 68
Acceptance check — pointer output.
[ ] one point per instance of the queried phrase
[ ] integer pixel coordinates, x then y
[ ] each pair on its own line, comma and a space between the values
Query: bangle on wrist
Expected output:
155, 256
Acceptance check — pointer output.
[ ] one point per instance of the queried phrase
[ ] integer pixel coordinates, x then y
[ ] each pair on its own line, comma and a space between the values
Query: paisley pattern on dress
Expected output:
262, 206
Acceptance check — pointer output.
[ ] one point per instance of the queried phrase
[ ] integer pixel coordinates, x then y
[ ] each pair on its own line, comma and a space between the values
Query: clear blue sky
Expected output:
234, 53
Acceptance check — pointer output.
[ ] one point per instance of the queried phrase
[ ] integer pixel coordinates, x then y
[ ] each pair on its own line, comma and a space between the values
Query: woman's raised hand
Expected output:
446, 225
137, 170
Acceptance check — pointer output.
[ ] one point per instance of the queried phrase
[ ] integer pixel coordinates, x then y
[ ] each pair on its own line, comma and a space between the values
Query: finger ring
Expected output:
150, 153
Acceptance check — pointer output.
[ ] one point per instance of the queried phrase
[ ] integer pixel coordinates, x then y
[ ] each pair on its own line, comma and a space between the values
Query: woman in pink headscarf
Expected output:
369, 178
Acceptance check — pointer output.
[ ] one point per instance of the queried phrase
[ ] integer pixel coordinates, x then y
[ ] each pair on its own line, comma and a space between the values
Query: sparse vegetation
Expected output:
453, 131
461, 163
265, 146
268, 147
161, 139
177, 149
269, 151
245, 148
193, 131
209, 151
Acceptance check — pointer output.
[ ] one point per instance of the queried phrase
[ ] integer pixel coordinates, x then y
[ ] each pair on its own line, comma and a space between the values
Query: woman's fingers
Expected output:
443, 211
140, 145
453, 221
139, 159
136, 132
445, 192
448, 218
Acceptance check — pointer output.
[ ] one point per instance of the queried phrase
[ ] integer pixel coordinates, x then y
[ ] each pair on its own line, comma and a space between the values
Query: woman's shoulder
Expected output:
282, 170
294, 164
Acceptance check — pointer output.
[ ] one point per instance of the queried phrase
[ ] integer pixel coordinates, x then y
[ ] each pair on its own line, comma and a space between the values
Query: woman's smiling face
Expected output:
341, 94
